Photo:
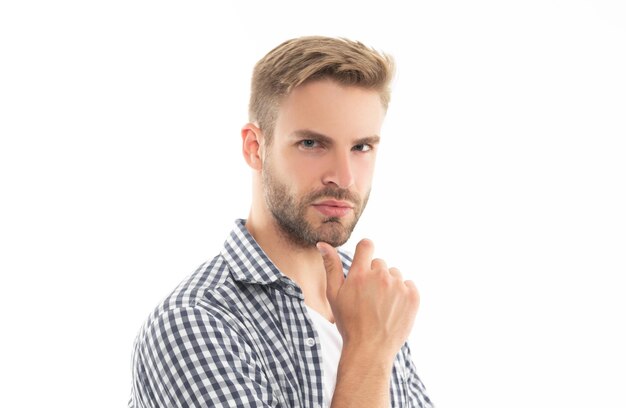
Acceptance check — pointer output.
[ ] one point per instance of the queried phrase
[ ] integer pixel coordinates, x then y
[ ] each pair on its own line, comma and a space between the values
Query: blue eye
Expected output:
362, 147
308, 143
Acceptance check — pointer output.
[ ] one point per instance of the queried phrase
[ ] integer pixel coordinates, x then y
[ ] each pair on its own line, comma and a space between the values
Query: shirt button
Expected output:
290, 289
310, 342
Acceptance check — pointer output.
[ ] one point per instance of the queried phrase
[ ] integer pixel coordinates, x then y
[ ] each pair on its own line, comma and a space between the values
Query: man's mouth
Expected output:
333, 208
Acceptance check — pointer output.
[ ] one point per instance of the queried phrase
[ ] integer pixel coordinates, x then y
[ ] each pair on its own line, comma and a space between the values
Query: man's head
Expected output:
317, 107
304, 59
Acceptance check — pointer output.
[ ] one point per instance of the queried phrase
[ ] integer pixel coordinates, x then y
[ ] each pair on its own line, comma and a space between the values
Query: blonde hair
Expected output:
305, 59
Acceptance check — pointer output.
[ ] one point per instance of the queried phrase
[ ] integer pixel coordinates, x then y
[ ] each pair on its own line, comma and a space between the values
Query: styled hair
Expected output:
305, 59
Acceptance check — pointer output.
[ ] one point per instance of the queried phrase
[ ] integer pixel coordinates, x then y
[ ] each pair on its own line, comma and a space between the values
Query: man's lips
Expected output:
333, 208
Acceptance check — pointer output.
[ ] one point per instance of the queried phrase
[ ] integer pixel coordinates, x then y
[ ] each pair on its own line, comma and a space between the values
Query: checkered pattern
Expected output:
236, 333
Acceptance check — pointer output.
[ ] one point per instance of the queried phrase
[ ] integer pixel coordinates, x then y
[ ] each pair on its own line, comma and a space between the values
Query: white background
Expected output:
500, 185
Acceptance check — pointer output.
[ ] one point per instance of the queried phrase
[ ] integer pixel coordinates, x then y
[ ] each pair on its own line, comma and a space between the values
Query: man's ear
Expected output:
252, 145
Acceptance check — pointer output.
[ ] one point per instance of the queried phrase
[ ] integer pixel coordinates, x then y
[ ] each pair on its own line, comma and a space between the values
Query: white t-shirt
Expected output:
331, 351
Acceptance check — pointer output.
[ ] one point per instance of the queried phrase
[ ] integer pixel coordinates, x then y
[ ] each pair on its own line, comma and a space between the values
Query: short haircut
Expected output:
305, 59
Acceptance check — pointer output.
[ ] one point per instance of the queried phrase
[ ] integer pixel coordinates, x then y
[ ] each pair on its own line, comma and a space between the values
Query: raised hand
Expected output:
374, 308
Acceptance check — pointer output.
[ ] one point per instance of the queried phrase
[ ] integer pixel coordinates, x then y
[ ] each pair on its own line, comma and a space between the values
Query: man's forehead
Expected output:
332, 110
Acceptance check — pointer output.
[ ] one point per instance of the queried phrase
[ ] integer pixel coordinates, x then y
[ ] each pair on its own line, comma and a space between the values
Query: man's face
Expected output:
318, 170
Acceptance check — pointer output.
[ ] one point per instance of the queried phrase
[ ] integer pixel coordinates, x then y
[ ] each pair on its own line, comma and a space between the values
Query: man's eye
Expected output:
362, 148
308, 143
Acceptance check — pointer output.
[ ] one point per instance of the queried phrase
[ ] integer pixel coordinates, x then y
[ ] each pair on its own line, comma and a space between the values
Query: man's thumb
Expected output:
334, 270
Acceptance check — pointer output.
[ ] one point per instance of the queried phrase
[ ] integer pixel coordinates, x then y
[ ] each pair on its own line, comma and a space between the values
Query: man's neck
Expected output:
303, 265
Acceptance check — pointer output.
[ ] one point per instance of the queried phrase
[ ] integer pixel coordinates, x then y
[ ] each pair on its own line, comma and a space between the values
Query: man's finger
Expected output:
363, 253
395, 272
334, 270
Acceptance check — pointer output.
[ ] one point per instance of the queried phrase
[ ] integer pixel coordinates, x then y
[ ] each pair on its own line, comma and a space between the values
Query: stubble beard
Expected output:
290, 213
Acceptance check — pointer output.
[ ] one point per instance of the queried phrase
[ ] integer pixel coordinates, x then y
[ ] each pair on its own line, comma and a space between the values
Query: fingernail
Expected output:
322, 249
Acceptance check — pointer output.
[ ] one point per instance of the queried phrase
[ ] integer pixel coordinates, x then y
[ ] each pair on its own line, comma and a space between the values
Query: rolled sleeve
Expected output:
417, 397
188, 357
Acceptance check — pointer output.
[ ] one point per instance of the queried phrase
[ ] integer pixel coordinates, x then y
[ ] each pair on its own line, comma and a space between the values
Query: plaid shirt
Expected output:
236, 333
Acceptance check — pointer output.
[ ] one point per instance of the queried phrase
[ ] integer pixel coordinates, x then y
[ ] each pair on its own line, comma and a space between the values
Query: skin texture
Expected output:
310, 185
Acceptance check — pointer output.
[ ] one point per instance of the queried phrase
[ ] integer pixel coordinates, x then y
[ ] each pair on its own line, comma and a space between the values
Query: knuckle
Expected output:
395, 272
412, 292
386, 280
379, 264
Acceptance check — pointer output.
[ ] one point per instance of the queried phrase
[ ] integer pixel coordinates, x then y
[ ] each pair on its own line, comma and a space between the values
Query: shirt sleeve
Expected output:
417, 397
188, 357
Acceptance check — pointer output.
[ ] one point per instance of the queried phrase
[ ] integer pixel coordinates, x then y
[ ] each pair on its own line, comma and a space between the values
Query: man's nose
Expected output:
339, 171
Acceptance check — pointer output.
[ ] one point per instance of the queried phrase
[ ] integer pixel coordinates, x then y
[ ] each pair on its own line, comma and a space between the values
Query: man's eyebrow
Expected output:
309, 134
371, 140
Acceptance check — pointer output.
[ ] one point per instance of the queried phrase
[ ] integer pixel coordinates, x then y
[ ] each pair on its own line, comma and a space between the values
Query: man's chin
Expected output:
333, 232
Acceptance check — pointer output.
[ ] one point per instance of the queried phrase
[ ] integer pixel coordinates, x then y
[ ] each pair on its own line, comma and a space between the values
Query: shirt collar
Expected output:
248, 262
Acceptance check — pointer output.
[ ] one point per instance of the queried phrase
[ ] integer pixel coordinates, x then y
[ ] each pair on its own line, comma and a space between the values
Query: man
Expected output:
273, 321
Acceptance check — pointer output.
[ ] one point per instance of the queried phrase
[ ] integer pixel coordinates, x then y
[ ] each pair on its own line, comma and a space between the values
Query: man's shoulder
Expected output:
194, 290
209, 276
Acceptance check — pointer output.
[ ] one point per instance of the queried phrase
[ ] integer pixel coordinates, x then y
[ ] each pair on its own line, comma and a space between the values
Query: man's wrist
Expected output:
367, 357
